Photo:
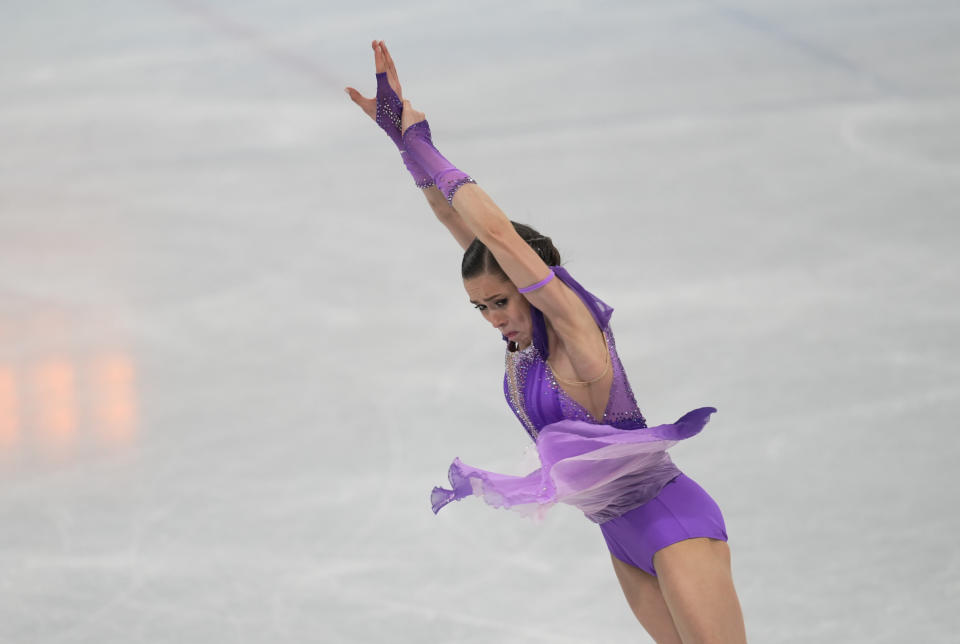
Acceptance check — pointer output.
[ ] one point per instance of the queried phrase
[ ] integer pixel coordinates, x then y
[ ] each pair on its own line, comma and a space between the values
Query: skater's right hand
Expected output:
411, 116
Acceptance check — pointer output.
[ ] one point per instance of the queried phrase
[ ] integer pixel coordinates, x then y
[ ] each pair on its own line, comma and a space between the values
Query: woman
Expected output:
566, 384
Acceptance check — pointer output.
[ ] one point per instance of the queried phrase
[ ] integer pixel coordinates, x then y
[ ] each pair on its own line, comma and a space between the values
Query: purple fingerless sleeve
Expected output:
389, 110
419, 144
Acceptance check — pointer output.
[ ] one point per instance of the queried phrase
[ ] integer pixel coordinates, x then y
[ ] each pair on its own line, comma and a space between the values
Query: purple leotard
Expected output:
614, 468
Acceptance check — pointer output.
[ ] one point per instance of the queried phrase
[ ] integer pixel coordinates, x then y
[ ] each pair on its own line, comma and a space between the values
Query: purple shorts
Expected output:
682, 510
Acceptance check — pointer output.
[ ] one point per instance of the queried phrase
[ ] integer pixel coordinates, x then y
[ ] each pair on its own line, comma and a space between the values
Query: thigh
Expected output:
643, 594
697, 586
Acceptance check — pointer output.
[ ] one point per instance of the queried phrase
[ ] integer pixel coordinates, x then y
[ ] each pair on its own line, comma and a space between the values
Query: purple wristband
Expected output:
540, 284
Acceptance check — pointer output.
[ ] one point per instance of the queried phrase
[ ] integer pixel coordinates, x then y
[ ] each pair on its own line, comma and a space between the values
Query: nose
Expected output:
498, 321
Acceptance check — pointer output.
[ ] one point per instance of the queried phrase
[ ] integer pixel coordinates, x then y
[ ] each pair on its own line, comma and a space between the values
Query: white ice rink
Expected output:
236, 354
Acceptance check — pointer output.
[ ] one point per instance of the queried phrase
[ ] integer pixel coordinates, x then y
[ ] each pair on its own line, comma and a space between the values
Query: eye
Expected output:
480, 307
500, 303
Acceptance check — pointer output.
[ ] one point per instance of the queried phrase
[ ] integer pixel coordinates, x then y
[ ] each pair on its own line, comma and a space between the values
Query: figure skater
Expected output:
566, 385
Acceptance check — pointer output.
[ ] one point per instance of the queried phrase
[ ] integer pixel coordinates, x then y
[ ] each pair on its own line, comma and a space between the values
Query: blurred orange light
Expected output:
56, 394
115, 391
9, 409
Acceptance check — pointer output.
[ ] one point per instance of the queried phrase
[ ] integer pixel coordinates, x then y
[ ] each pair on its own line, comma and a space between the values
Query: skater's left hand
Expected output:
389, 97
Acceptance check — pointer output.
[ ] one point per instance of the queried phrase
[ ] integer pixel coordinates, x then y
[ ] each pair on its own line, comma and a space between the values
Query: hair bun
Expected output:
478, 259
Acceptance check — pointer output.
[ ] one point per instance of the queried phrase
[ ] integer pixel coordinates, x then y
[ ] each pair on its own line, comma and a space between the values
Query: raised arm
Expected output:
569, 316
385, 109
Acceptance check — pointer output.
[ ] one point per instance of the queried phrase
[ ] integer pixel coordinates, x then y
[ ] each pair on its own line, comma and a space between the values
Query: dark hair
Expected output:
478, 259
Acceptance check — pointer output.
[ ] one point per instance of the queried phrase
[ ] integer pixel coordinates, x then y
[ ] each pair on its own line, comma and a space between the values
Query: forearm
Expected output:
473, 207
449, 217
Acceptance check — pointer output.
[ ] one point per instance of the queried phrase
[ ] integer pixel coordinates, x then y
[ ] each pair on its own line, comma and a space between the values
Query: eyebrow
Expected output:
489, 299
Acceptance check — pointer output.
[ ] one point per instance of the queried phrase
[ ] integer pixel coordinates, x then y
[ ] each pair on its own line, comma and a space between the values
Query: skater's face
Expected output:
501, 305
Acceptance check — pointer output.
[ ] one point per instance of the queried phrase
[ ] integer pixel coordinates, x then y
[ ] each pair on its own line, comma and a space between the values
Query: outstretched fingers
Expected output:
369, 105
384, 64
378, 58
391, 69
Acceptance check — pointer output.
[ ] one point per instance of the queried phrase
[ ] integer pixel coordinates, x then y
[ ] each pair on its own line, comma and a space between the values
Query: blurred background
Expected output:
236, 354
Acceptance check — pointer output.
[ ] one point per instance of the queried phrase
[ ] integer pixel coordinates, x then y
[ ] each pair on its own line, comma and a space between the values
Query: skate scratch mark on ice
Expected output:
335, 581
451, 615
95, 615
853, 133
813, 50
237, 30
893, 405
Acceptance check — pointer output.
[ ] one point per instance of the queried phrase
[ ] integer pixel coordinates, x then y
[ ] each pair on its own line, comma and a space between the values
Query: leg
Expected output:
643, 595
697, 585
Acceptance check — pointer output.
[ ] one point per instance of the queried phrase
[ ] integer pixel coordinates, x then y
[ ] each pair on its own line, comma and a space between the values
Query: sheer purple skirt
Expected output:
603, 470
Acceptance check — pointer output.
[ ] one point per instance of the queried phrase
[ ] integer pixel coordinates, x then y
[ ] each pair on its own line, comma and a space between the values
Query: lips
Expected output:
510, 335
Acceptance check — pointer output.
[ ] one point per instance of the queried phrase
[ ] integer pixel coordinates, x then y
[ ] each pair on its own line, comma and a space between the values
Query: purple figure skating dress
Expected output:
614, 468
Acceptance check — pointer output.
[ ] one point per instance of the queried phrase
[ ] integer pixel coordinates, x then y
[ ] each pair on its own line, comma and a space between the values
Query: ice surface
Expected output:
235, 353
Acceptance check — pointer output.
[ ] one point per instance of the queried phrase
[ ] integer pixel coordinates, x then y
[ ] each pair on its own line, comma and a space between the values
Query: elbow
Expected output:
497, 233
